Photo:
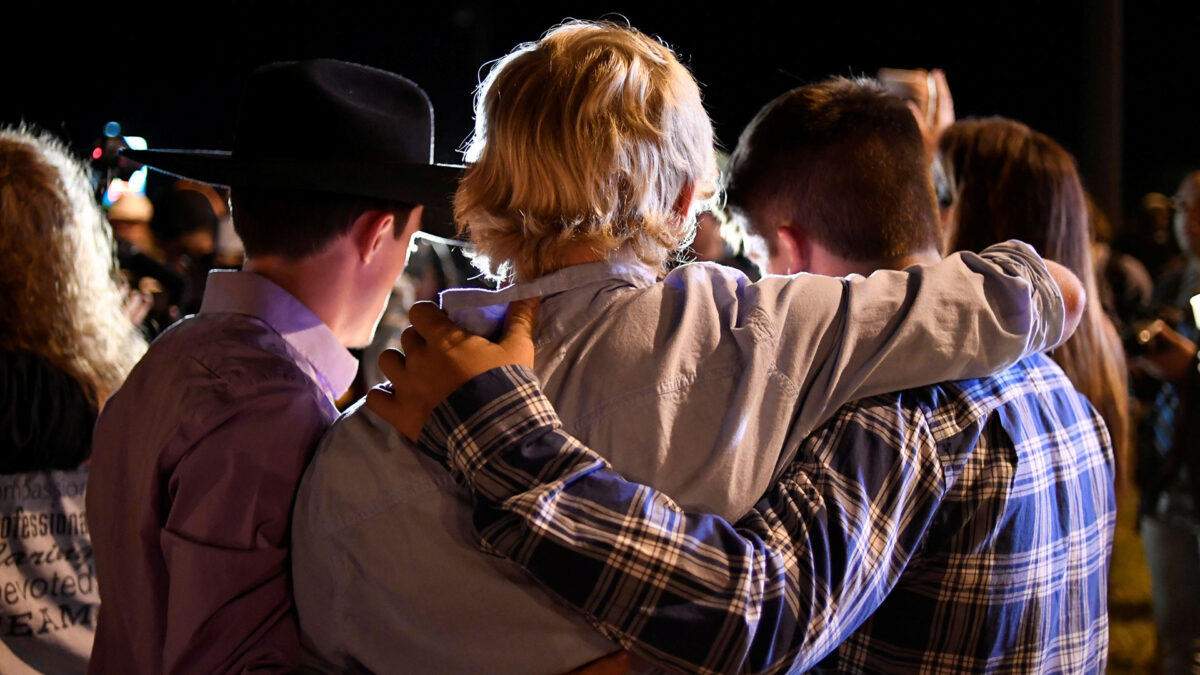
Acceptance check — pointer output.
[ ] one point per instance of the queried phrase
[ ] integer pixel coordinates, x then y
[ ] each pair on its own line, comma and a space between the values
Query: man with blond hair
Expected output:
591, 154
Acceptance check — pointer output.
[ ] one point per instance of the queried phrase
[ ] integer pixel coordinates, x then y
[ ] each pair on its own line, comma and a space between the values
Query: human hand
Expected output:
927, 94
943, 109
1169, 355
439, 357
616, 663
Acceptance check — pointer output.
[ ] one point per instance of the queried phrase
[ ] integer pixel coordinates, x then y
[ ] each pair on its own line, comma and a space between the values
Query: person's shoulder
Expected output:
711, 282
951, 408
230, 350
1035, 380
362, 465
698, 300
1036, 376
343, 457
205, 372
727, 293
705, 273
209, 333
1033, 401
358, 432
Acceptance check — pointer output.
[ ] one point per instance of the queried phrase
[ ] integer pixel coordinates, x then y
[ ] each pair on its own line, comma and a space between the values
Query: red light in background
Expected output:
97, 152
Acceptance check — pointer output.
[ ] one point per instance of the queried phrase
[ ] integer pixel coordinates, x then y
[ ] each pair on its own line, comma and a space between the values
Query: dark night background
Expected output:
1111, 80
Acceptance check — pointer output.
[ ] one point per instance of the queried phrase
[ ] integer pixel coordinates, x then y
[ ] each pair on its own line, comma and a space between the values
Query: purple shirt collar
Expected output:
229, 291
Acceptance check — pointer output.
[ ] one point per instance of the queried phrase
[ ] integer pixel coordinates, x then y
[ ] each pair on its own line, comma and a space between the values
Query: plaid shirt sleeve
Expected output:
777, 591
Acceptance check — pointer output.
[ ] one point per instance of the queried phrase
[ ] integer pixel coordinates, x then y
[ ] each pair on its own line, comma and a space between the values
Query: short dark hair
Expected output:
295, 224
845, 161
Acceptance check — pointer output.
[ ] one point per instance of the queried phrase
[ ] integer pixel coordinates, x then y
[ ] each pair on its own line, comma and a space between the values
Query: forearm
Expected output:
757, 596
966, 316
975, 314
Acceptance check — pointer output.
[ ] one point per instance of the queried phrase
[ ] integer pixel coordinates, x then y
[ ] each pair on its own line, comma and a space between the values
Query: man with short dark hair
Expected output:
197, 457
846, 181
962, 527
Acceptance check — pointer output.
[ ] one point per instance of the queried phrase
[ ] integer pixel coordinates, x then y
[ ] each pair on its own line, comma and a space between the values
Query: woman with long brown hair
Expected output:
66, 342
1017, 183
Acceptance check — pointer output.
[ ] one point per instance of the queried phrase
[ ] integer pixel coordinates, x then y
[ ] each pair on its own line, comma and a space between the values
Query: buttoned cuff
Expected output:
492, 411
1049, 312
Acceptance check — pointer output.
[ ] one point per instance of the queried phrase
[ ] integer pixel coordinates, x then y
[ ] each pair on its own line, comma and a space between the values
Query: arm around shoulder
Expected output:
963, 317
773, 592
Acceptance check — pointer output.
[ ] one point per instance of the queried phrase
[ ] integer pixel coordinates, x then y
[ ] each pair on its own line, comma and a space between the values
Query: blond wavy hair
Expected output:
59, 293
589, 135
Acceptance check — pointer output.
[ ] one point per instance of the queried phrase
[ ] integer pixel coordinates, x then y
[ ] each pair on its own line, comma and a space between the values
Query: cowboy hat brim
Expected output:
432, 185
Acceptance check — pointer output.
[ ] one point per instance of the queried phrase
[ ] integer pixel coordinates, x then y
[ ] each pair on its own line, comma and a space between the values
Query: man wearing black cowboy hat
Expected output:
197, 457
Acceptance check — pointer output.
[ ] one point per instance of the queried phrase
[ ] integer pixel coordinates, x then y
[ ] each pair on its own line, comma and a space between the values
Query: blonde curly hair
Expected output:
59, 293
589, 135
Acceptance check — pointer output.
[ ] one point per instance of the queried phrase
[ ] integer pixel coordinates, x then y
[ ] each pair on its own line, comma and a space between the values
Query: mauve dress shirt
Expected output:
195, 465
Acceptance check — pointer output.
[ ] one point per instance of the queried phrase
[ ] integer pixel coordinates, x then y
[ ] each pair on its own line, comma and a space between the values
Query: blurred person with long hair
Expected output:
1017, 183
66, 339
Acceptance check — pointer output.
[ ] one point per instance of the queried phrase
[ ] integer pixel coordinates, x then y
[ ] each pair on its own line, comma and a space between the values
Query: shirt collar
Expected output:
481, 311
229, 291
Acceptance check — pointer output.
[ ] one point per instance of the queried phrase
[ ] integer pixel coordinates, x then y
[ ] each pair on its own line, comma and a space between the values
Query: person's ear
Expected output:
411, 225
371, 230
789, 251
683, 202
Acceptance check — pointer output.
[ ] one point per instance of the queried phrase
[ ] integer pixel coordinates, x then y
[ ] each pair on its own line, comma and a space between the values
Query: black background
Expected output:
173, 72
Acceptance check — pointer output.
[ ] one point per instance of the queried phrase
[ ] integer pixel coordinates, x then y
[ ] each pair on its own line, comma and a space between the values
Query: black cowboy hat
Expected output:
328, 126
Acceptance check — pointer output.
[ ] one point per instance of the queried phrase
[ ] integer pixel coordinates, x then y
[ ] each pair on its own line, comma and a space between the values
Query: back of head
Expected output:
842, 160
1014, 182
181, 212
59, 296
589, 136
295, 224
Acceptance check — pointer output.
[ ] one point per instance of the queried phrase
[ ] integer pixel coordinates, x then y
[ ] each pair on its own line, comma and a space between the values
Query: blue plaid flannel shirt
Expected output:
965, 527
